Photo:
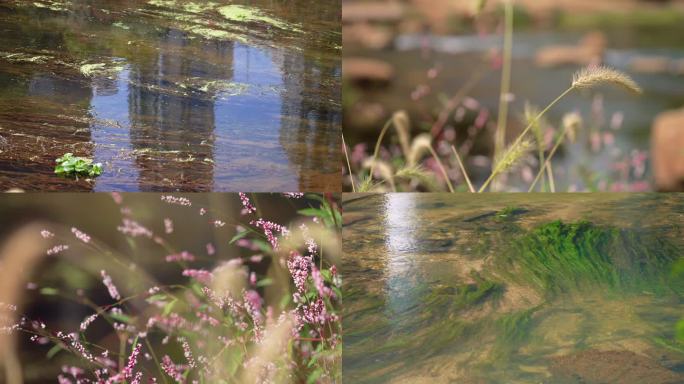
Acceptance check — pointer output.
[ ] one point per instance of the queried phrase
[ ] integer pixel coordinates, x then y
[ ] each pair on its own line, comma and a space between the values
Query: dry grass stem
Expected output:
346, 156
463, 171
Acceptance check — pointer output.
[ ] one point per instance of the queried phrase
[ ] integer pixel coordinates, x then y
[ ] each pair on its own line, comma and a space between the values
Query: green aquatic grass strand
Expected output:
559, 257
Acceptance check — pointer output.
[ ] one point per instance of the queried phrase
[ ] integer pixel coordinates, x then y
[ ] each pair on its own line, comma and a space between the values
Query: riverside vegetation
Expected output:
450, 140
269, 314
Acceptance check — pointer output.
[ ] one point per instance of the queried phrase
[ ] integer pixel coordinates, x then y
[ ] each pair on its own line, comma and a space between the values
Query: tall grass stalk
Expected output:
500, 136
346, 156
520, 137
547, 163
463, 171
441, 167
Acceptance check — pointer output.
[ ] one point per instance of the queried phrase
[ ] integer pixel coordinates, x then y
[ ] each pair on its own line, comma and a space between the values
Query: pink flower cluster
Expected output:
183, 256
107, 281
184, 201
80, 235
201, 275
57, 249
134, 229
247, 205
299, 267
270, 229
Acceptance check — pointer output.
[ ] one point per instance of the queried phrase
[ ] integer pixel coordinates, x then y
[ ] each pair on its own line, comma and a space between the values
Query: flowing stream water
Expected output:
171, 95
564, 288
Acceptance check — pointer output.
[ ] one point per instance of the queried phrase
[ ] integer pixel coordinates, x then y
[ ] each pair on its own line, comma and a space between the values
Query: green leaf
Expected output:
264, 282
47, 291
238, 236
121, 317
70, 165
311, 212
53, 351
169, 307
313, 377
156, 298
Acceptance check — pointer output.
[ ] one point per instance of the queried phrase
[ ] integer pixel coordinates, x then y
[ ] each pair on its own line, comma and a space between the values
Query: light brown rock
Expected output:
366, 35
590, 50
381, 12
364, 69
667, 148
652, 64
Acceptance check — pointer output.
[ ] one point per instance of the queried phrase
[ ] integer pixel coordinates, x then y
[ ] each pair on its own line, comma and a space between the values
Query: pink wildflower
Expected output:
299, 269
187, 352
57, 249
134, 229
116, 196
269, 228
107, 281
80, 235
317, 277
168, 226
172, 369
248, 207
132, 361
183, 256
88, 320
201, 275
184, 201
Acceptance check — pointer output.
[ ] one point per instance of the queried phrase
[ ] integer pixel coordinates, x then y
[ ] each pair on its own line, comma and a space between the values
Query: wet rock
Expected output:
382, 12
667, 148
366, 36
367, 70
366, 117
590, 50
654, 64
611, 367
678, 67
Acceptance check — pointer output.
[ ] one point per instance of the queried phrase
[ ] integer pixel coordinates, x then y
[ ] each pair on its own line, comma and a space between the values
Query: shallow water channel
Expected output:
171, 94
513, 288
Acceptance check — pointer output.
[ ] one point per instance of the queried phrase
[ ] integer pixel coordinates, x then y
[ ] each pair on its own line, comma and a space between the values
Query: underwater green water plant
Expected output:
562, 257
507, 212
70, 165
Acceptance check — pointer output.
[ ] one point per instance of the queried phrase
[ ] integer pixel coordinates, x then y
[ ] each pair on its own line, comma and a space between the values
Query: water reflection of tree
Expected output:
167, 123
310, 129
310, 120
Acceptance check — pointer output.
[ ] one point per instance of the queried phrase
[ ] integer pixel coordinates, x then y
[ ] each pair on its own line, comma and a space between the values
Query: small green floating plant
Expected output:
75, 166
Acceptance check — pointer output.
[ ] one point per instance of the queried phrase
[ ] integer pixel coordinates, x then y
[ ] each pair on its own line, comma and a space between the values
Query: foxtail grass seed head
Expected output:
590, 77
402, 124
382, 168
531, 116
478, 6
418, 173
512, 156
421, 144
572, 122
